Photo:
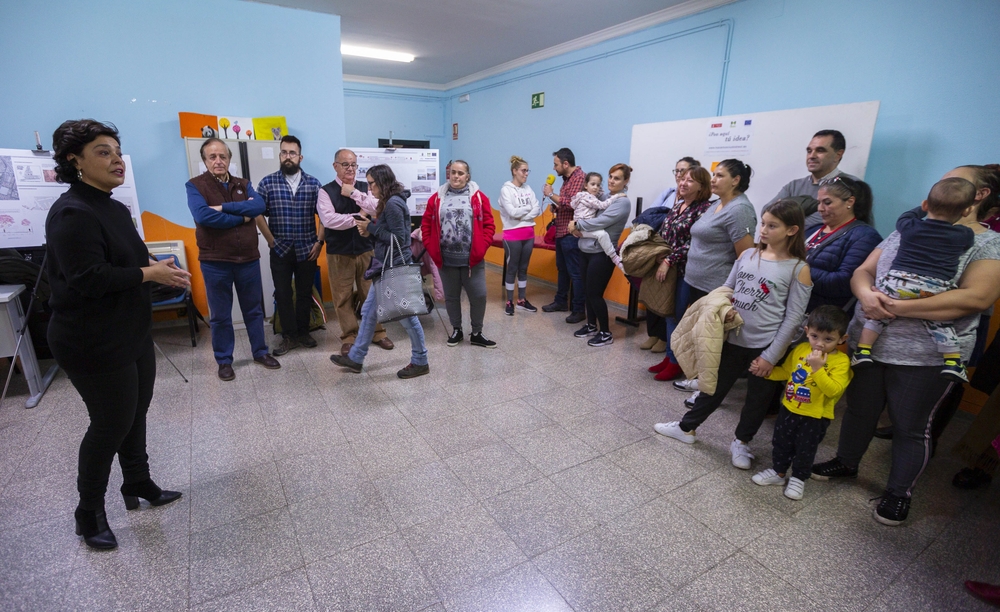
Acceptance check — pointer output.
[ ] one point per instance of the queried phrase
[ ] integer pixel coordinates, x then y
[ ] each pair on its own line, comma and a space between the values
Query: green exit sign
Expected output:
538, 100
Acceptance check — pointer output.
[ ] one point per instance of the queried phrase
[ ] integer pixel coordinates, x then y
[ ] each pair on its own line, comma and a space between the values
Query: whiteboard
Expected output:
773, 144
416, 169
28, 189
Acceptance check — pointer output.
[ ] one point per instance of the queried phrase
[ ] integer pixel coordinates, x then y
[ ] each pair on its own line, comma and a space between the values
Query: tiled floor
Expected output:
522, 478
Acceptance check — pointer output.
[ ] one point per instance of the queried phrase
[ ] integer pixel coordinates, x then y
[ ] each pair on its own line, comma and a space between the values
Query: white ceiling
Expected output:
459, 41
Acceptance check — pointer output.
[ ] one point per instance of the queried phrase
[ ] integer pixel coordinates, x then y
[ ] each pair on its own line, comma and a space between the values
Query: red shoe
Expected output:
670, 372
987, 592
656, 369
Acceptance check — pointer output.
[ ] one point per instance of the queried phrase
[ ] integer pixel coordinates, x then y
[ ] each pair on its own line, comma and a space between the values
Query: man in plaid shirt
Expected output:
290, 197
567, 253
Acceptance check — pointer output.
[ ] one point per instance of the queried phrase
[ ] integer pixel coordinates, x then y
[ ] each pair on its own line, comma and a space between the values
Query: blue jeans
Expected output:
568, 268
220, 276
366, 331
682, 299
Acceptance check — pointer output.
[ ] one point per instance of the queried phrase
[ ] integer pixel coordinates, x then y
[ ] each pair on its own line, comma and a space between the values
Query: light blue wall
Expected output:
932, 65
372, 111
139, 63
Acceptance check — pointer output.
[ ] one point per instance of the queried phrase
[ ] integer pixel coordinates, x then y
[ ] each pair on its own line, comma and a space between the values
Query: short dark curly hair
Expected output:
70, 138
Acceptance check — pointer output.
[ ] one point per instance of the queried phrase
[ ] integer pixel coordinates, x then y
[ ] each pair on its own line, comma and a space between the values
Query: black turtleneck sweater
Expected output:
101, 310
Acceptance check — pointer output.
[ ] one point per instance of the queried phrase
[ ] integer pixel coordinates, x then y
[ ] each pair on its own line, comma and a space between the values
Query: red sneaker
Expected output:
670, 372
987, 592
656, 369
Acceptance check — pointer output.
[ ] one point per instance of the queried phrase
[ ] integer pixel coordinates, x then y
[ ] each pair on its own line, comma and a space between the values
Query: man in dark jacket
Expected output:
224, 208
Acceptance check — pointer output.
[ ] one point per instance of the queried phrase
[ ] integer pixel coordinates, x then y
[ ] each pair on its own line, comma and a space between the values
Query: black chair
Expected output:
182, 301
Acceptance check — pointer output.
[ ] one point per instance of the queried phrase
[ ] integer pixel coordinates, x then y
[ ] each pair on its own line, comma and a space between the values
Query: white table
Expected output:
11, 319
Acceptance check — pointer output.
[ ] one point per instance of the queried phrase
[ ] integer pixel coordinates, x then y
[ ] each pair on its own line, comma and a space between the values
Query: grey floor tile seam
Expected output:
915, 560
27, 451
249, 585
739, 547
423, 570
193, 531
195, 481
818, 605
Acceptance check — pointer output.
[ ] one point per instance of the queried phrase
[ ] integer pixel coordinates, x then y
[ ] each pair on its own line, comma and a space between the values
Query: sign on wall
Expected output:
28, 189
416, 169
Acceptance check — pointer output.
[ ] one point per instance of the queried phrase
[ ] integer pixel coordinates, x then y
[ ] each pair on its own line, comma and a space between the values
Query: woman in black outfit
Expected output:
99, 333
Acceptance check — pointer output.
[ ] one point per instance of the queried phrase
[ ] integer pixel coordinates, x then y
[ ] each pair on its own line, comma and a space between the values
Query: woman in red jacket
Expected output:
457, 229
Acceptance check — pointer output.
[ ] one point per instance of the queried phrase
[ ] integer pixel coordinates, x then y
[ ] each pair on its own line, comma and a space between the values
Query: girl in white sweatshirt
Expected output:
518, 209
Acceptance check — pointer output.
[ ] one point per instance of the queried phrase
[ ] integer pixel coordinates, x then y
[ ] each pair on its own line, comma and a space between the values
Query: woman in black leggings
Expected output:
596, 267
99, 333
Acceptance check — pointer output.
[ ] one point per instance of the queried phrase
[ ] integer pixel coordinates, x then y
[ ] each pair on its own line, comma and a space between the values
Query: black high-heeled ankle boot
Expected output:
147, 490
93, 526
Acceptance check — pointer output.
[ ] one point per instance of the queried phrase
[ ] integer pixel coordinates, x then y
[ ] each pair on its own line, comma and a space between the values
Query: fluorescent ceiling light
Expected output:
382, 54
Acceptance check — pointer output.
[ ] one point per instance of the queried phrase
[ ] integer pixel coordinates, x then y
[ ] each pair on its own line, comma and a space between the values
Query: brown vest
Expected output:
236, 244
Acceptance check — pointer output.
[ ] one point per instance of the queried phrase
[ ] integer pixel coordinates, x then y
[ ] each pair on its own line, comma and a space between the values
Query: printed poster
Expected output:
28, 189
729, 138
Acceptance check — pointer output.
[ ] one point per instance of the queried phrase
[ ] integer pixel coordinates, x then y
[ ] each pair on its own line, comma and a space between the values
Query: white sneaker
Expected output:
795, 488
673, 430
768, 477
689, 402
689, 384
741, 455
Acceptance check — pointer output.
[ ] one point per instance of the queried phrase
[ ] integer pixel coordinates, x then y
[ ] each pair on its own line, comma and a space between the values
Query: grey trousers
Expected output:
518, 254
912, 395
473, 280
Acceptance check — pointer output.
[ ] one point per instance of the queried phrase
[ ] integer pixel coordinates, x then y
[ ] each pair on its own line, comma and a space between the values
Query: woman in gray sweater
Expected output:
596, 267
390, 227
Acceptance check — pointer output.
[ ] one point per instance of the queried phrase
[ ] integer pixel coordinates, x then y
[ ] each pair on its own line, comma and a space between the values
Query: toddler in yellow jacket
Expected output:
817, 374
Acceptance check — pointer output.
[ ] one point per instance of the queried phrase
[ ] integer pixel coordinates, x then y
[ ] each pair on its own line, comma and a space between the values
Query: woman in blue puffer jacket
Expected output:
846, 238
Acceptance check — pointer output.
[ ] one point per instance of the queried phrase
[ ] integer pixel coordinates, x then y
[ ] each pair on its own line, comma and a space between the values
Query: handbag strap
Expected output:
388, 264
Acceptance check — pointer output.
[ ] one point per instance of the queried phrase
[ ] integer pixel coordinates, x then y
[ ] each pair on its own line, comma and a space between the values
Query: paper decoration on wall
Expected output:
196, 125
235, 127
269, 128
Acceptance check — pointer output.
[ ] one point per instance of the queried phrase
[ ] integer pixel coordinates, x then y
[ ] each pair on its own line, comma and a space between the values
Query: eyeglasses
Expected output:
345, 165
524, 170
679, 172
288, 154
838, 179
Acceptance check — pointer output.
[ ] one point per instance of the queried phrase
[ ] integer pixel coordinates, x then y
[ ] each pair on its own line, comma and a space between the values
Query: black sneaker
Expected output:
954, 370
526, 305
508, 309
412, 371
586, 330
555, 307
481, 340
862, 358
892, 509
576, 317
345, 362
286, 345
834, 468
601, 338
456, 337
307, 341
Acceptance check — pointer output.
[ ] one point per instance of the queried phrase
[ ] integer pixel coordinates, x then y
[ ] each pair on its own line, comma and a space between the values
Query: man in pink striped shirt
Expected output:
348, 253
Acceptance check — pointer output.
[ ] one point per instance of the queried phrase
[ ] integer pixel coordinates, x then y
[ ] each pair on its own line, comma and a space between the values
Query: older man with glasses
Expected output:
348, 253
